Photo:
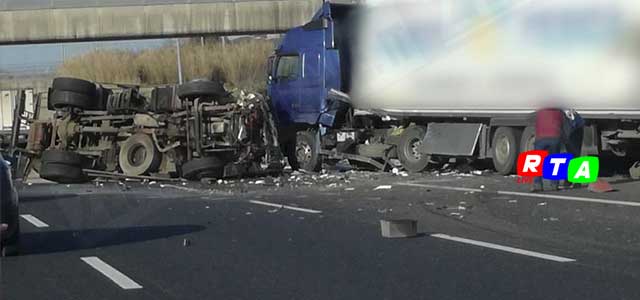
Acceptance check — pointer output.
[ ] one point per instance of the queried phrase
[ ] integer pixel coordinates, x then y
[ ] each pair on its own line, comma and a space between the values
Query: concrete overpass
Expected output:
54, 21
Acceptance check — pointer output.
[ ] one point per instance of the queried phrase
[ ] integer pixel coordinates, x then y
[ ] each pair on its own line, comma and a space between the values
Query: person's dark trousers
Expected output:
574, 144
551, 145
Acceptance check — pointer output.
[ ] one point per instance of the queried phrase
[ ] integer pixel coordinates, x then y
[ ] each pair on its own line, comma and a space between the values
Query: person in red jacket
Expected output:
549, 137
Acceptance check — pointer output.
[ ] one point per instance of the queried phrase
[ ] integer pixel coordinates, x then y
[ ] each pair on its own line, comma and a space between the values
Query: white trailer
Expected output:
472, 72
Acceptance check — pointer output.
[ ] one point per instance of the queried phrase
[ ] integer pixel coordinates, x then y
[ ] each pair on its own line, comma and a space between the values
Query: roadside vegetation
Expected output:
241, 63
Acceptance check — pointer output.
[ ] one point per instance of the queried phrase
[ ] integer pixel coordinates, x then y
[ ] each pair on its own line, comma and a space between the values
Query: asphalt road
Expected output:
481, 239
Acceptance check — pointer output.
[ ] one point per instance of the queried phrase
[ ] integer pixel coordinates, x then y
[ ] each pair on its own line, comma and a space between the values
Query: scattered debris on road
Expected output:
600, 186
401, 228
634, 171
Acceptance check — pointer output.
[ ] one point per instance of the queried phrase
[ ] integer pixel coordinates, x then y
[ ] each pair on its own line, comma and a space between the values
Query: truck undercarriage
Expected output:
194, 130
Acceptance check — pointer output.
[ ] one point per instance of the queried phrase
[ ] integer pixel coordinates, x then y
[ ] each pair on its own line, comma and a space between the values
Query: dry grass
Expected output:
242, 64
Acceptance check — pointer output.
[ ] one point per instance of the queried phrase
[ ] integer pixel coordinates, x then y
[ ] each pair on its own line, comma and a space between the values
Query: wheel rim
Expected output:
530, 144
303, 152
137, 155
503, 148
412, 151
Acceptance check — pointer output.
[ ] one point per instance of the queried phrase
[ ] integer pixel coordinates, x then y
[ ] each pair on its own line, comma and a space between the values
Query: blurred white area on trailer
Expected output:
7, 104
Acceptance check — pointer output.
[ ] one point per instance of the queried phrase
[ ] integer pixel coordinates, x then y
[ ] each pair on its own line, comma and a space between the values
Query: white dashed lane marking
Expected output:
504, 248
312, 211
35, 221
110, 272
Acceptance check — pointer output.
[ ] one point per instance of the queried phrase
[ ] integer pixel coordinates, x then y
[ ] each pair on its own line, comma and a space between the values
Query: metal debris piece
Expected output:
186, 243
542, 203
600, 186
399, 228
634, 171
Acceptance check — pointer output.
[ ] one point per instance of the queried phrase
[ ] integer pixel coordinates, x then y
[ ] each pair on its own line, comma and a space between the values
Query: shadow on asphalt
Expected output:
70, 240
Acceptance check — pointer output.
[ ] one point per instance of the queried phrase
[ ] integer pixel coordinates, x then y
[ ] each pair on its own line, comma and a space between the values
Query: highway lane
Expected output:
200, 241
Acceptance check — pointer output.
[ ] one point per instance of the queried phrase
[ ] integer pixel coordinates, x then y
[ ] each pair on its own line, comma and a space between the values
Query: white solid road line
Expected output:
116, 276
313, 211
35, 221
532, 195
442, 187
571, 198
504, 248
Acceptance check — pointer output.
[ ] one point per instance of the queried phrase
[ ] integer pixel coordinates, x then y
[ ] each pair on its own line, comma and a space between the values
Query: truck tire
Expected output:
528, 139
505, 149
62, 157
139, 155
307, 151
206, 167
60, 99
408, 149
62, 166
201, 88
75, 85
11, 246
102, 95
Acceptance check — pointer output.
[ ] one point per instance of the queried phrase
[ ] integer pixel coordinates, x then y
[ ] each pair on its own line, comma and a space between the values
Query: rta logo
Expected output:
583, 169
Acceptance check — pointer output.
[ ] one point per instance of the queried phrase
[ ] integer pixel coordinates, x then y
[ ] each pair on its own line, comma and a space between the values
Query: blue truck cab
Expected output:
311, 60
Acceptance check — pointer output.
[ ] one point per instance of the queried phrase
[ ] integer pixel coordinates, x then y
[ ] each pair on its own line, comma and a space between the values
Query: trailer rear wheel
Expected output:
307, 152
528, 139
138, 155
409, 149
206, 167
505, 148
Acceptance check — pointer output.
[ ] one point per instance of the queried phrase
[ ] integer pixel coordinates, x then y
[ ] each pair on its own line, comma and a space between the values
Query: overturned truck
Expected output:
193, 130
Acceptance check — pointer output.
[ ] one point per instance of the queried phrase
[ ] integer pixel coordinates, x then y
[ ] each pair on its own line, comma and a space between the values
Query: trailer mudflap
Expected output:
452, 139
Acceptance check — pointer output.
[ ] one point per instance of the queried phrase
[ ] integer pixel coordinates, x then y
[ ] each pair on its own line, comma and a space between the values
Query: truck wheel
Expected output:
62, 166
75, 85
528, 139
60, 99
307, 151
206, 167
138, 155
201, 88
409, 149
505, 147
